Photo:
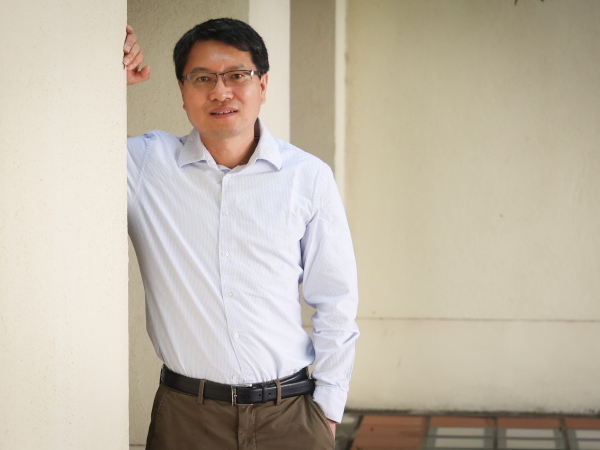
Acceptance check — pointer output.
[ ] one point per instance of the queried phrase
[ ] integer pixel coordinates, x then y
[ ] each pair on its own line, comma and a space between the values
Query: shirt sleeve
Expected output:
136, 156
330, 286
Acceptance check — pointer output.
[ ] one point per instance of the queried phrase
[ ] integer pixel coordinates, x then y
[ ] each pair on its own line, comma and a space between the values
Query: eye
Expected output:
201, 79
238, 78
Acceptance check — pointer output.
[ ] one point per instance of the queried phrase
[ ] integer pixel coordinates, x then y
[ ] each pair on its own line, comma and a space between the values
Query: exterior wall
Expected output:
472, 190
63, 263
312, 77
156, 104
271, 19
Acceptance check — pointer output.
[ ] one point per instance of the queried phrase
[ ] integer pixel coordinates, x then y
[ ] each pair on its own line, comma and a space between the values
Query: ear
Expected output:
181, 88
264, 80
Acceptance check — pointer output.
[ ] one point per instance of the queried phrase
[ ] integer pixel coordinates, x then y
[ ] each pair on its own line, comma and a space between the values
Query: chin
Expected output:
222, 132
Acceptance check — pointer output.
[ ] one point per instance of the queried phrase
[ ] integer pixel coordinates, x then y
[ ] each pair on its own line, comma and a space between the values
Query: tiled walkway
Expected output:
389, 432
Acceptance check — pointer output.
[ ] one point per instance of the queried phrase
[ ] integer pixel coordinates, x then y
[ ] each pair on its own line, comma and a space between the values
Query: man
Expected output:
226, 223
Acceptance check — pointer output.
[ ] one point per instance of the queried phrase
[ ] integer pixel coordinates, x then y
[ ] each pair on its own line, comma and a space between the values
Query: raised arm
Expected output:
132, 58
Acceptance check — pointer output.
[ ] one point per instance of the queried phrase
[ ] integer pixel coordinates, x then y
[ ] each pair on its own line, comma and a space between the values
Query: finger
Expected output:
135, 50
144, 74
133, 65
134, 77
130, 40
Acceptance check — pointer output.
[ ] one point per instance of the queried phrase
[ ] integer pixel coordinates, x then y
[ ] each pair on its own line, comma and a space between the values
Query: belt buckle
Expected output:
233, 396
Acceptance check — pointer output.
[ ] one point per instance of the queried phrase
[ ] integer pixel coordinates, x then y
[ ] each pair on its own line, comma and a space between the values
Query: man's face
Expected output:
222, 112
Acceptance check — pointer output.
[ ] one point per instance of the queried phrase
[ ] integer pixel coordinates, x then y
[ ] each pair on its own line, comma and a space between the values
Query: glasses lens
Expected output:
238, 78
207, 80
202, 80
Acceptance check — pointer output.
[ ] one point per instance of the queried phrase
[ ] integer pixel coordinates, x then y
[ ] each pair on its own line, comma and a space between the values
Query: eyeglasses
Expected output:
205, 81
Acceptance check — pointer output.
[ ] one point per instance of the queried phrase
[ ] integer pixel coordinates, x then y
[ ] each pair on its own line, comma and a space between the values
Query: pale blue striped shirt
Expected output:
222, 253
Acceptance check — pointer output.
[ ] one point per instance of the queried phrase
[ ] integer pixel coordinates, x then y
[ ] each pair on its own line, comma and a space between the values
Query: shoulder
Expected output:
311, 176
155, 145
294, 158
156, 139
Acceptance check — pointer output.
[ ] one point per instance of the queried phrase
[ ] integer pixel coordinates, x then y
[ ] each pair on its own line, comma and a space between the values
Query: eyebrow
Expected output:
234, 67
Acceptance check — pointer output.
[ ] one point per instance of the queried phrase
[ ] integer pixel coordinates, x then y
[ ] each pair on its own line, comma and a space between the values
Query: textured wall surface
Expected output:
271, 19
63, 257
312, 77
473, 195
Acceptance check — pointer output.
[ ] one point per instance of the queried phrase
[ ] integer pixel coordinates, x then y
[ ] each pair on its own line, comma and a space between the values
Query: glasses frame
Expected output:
222, 75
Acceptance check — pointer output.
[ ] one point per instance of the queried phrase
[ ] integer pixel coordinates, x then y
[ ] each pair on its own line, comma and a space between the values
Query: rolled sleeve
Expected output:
330, 286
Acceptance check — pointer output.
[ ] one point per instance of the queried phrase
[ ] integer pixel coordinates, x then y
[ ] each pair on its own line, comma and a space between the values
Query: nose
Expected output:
221, 91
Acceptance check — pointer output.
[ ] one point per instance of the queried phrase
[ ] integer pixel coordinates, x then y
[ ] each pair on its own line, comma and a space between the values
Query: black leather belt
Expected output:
292, 386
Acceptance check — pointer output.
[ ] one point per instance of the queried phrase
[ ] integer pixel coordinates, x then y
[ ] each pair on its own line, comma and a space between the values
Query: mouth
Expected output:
223, 112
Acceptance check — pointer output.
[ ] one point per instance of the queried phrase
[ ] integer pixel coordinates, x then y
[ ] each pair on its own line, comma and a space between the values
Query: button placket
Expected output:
225, 225
227, 216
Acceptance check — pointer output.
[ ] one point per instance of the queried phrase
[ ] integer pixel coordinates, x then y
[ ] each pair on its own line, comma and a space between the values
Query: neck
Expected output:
233, 151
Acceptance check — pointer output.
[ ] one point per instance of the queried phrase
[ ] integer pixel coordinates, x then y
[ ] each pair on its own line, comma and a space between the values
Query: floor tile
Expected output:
400, 421
375, 441
540, 444
458, 431
584, 439
449, 442
586, 445
530, 433
528, 422
587, 434
450, 421
371, 430
583, 423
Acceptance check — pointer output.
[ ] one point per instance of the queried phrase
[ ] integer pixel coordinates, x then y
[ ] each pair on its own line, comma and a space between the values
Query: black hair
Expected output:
233, 32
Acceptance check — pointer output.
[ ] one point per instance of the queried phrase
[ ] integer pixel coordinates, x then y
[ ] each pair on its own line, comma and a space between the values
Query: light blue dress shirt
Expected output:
222, 253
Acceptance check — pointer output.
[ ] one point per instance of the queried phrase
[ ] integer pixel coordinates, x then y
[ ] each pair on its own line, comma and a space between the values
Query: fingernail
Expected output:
127, 49
126, 61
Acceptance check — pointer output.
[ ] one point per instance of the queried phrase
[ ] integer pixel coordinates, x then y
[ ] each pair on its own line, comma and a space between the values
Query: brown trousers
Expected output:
180, 422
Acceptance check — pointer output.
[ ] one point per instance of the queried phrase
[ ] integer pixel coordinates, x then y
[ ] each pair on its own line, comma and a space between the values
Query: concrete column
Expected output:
157, 105
271, 19
317, 79
63, 247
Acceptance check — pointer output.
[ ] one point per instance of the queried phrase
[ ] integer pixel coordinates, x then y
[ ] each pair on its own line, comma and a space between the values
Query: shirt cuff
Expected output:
332, 401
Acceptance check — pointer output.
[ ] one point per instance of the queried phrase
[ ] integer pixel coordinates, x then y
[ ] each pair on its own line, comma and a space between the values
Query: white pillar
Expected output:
271, 19
63, 247
318, 85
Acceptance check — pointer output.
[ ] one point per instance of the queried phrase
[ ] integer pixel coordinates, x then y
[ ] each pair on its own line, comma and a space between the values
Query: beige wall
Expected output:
472, 190
63, 260
271, 19
312, 77
157, 105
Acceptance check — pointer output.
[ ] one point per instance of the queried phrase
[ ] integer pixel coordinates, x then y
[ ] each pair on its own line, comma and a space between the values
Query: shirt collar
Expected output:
193, 150
267, 149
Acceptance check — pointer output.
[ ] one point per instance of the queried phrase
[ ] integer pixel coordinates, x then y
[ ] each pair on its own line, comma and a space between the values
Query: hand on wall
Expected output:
132, 58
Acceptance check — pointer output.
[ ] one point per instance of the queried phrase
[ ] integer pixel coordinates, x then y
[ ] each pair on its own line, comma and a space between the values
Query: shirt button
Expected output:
236, 335
226, 213
226, 254
230, 294
234, 377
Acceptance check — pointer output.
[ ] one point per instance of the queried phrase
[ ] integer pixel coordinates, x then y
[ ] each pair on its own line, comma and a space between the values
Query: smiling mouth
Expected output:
223, 113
